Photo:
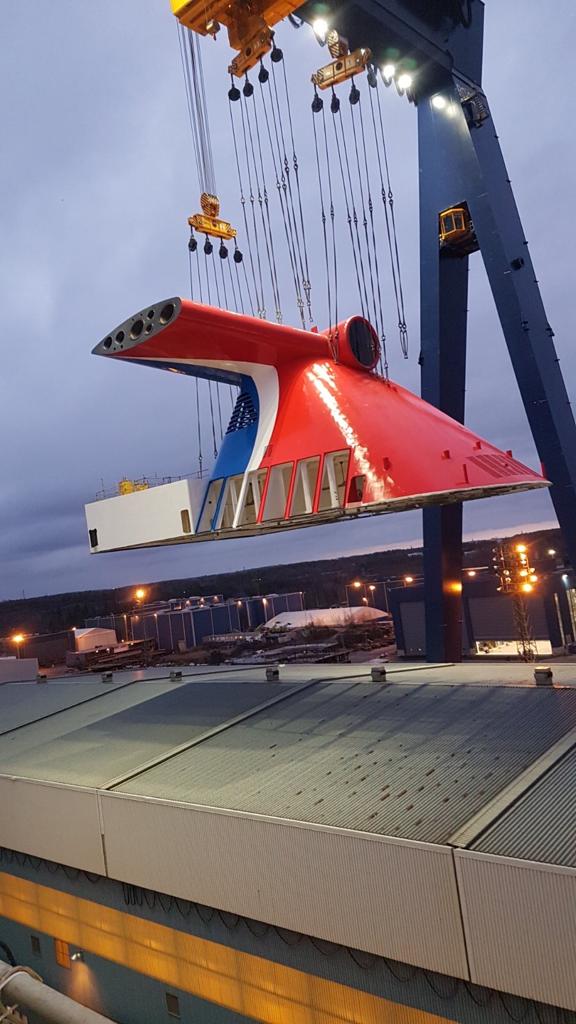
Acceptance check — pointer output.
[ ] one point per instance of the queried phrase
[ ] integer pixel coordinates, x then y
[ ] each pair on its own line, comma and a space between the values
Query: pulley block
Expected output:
209, 221
342, 69
249, 24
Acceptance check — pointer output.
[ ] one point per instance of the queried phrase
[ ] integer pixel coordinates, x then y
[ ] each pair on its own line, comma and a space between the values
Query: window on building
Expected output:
186, 524
172, 1005
93, 538
62, 952
35, 944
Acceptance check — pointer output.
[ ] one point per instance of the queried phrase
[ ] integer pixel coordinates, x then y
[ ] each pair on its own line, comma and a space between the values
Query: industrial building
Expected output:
325, 847
488, 616
182, 624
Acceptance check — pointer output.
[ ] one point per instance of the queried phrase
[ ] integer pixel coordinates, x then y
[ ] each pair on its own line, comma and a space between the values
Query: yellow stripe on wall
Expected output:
251, 985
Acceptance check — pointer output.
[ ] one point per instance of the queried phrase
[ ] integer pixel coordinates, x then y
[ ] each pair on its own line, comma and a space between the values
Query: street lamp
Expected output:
18, 639
140, 594
408, 579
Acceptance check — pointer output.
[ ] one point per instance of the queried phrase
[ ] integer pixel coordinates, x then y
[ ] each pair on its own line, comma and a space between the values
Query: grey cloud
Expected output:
95, 193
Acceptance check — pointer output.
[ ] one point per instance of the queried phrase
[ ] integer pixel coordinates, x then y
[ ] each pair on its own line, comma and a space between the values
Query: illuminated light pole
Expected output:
518, 580
18, 640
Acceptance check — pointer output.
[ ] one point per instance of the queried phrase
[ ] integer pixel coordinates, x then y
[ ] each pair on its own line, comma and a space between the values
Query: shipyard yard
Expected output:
288, 629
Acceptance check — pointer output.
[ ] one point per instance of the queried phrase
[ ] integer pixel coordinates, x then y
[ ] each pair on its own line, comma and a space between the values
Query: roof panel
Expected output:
27, 702
540, 826
91, 744
415, 761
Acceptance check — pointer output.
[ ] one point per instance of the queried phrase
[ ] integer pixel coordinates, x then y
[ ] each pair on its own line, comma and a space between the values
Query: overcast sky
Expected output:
97, 178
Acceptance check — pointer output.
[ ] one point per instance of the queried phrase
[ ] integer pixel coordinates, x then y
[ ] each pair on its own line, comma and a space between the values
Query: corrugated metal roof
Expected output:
411, 761
541, 825
28, 702
98, 741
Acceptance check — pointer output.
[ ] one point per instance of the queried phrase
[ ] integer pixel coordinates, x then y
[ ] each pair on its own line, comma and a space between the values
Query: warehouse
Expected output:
225, 848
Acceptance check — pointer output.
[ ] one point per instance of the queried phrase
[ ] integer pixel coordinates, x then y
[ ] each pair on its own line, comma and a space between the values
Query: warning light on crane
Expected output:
320, 29
405, 81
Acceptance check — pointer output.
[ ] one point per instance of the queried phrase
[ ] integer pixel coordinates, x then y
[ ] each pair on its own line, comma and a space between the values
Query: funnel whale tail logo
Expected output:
314, 436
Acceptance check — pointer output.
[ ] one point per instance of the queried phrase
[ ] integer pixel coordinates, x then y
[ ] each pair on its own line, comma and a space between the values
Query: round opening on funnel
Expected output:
137, 328
166, 313
107, 343
150, 314
363, 342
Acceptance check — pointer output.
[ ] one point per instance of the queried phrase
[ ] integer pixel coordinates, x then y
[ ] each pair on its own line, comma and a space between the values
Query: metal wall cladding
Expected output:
520, 926
164, 632
202, 623
221, 619
189, 635
384, 896
256, 612
542, 825
59, 823
177, 629
493, 617
411, 761
413, 626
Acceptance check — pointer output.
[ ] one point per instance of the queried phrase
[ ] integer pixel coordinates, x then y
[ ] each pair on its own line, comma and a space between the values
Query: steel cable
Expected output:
390, 217
383, 352
253, 305
281, 192
323, 219
262, 310
349, 217
279, 121
306, 284
264, 208
364, 217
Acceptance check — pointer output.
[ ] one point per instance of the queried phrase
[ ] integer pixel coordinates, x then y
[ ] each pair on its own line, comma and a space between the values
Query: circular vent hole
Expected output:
166, 313
150, 314
137, 328
107, 343
120, 336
